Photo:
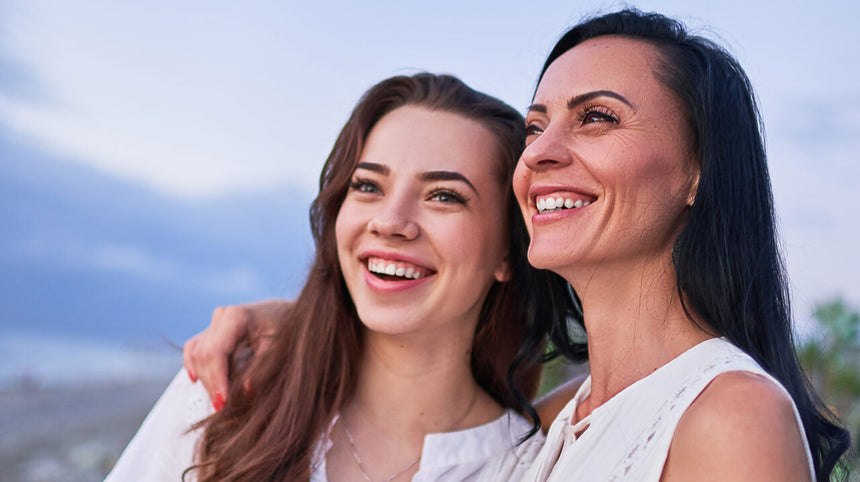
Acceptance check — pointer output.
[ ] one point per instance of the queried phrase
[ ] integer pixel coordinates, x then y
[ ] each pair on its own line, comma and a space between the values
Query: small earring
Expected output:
675, 249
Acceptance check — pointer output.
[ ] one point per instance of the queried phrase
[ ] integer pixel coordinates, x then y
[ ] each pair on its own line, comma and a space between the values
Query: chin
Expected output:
540, 260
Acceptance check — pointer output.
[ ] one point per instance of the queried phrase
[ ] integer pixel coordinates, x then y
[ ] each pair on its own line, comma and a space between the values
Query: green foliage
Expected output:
831, 359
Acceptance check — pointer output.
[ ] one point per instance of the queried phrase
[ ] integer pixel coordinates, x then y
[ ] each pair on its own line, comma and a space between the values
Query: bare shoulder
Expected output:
741, 427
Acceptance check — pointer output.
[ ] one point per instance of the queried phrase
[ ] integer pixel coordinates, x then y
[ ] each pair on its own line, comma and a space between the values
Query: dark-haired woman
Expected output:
644, 184
395, 364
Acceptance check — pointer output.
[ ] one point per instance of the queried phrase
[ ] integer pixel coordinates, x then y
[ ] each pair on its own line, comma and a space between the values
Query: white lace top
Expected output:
163, 448
628, 437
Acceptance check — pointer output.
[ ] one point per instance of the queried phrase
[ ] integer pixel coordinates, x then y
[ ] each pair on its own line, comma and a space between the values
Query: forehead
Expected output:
602, 63
415, 138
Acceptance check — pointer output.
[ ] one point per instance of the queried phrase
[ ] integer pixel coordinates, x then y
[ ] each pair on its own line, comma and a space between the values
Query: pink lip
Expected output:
384, 286
543, 190
392, 257
538, 218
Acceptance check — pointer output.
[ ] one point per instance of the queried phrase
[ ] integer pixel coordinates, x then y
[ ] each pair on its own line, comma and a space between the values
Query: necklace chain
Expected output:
357, 457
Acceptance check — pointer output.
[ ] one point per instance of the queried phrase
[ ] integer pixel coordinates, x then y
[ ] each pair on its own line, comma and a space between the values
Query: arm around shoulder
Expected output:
741, 427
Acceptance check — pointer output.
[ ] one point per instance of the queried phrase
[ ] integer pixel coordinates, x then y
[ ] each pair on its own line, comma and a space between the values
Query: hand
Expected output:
206, 356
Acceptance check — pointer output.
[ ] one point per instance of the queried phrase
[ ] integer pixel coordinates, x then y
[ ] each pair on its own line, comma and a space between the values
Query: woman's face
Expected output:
607, 172
422, 233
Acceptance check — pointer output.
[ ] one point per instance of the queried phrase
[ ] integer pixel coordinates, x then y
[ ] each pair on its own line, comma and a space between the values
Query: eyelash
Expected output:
454, 195
361, 185
531, 130
589, 111
367, 186
597, 113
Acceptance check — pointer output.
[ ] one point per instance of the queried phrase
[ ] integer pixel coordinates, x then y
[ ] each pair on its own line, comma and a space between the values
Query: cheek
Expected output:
520, 182
344, 230
521, 189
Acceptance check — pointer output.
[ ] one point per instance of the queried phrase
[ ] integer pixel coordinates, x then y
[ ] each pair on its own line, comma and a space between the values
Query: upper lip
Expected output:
546, 189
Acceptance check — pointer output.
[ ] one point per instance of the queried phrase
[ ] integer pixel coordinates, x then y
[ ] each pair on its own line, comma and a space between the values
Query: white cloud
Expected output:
198, 98
136, 261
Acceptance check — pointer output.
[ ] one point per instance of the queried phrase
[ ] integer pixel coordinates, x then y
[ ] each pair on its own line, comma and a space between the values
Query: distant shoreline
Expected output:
70, 434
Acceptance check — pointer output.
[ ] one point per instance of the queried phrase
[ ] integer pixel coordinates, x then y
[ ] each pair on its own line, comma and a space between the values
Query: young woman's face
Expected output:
422, 233
607, 172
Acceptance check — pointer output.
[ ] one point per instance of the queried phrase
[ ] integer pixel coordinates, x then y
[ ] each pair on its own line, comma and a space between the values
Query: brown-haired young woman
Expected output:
395, 362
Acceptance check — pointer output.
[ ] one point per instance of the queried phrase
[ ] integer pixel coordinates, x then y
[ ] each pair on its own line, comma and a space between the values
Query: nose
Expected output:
550, 149
394, 220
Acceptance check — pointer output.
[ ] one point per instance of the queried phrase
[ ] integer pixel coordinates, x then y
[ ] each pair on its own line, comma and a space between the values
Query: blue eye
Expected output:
363, 185
447, 196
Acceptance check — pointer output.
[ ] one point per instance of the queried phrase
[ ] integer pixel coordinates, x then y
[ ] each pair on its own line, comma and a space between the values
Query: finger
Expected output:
213, 376
264, 342
229, 325
187, 359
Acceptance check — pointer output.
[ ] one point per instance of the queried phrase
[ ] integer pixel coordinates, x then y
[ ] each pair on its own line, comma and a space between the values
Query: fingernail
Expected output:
192, 376
218, 404
247, 386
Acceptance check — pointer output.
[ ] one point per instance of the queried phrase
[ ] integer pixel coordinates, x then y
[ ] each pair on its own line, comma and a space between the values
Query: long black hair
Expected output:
727, 259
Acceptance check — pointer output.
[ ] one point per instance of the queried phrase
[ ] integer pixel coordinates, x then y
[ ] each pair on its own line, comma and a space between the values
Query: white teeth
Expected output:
550, 204
392, 269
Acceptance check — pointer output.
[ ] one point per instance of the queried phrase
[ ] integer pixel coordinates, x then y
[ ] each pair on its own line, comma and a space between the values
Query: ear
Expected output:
503, 272
694, 188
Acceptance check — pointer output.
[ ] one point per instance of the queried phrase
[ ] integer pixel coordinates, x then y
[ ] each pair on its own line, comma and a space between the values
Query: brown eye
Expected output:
446, 196
533, 130
594, 114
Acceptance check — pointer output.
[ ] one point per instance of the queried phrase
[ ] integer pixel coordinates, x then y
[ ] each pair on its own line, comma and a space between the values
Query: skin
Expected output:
415, 377
426, 180
604, 129
206, 354
400, 210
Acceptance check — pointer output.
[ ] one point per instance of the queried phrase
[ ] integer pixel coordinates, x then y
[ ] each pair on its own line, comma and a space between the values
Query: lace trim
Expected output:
694, 380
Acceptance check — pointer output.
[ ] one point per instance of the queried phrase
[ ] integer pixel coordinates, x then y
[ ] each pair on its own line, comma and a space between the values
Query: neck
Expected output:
635, 323
419, 386
408, 386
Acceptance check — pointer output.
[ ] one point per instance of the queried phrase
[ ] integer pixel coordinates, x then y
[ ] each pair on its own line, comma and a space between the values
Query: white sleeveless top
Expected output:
628, 437
164, 447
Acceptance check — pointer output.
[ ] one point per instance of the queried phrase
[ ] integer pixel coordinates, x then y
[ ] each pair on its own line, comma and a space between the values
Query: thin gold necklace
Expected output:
357, 457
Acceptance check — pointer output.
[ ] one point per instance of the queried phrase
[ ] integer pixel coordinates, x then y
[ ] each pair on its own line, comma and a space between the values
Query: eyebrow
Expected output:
372, 166
581, 98
446, 176
427, 176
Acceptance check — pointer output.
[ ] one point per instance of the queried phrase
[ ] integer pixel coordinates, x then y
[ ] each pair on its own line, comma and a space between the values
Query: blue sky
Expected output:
199, 101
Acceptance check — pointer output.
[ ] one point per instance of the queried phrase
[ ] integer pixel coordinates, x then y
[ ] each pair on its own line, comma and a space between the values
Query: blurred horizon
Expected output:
157, 160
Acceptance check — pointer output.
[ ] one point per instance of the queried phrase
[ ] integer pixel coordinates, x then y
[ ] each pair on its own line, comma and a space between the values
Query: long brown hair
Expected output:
310, 372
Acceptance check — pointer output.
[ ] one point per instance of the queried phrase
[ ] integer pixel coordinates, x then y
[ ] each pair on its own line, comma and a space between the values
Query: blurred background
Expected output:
157, 160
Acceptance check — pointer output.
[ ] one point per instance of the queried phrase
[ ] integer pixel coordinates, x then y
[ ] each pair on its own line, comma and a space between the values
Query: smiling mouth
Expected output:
551, 204
391, 270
